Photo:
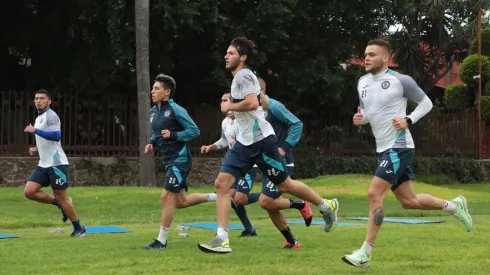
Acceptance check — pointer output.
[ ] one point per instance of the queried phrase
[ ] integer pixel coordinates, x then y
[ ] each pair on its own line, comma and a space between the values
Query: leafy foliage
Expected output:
469, 69
457, 96
485, 45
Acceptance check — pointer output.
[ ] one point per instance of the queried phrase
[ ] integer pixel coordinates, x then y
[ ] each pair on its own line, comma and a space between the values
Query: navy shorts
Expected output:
239, 159
395, 166
245, 184
176, 178
269, 189
56, 176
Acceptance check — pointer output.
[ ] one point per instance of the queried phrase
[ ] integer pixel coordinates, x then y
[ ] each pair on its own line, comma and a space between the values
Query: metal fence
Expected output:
109, 127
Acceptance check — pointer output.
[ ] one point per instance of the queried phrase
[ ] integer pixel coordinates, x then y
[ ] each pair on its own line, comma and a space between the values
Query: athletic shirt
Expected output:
50, 152
384, 97
252, 125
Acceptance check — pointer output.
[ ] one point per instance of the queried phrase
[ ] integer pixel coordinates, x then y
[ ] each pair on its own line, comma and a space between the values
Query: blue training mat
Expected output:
318, 222
7, 236
395, 220
214, 226
105, 229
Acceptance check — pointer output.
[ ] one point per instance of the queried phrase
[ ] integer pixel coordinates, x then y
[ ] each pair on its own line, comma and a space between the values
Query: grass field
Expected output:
443, 248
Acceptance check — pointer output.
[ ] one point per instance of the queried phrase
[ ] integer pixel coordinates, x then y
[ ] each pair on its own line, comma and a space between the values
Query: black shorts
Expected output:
395, 166
239, 159
56, 176
176, 177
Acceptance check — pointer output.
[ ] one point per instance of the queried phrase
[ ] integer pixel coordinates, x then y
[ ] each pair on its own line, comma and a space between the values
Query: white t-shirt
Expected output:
252, 125
50, 152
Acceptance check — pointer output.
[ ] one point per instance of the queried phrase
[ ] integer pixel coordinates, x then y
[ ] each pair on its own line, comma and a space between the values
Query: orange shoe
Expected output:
287, 245
307, 213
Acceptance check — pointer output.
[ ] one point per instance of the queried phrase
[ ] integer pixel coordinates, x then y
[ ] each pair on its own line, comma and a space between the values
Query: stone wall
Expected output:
14, 171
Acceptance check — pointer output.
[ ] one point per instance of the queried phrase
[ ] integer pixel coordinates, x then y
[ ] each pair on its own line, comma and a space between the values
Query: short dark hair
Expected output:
244, 47
382, 43
44, 92
167, 82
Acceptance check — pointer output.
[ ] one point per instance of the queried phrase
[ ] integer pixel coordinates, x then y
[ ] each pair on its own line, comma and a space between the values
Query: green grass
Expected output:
405, 249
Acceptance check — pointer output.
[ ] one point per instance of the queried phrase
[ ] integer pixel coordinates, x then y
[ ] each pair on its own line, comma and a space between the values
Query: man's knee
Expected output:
223, 182
30, 191
241, 199
266, 202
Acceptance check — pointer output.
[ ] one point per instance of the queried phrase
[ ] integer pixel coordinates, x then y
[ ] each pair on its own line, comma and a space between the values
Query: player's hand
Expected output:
281, 152
148, 148
32, 151
29, 129
225, 106
357, 119
165, 133
205, 149
399, 123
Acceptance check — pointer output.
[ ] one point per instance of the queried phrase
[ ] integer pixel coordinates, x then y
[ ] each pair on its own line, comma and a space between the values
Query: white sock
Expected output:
367, 247
223, 233
162, 237
450, 207
324, 206
212, 196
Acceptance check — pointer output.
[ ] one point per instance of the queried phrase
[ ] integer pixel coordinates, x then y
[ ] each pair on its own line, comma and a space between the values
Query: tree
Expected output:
434, 35
142, 17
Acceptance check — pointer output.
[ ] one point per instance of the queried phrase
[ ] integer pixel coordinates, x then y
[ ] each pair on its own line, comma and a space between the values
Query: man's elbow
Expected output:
253, 105
196, 132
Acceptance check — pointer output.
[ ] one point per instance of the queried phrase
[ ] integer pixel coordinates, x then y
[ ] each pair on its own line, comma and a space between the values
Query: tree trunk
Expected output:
142, 18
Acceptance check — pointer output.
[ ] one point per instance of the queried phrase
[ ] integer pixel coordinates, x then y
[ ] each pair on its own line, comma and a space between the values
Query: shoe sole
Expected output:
336, 211
465, 205
79, 236
207, 250
352, 264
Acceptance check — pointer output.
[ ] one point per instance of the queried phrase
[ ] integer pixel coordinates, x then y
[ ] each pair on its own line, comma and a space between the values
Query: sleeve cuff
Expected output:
285, 146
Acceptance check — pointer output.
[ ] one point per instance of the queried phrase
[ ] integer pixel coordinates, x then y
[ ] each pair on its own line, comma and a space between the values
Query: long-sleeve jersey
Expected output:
48, 136
286, 125
384, 97
170, 116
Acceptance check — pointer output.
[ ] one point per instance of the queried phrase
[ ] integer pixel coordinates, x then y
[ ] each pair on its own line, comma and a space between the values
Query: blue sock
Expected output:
254, 197
242, 215
77, 225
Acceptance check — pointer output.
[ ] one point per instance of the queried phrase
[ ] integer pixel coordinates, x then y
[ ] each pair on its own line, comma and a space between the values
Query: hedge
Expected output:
452, 165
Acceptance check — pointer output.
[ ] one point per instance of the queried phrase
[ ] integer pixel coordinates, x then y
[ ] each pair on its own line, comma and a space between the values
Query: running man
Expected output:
383, 96
286, 125
172, 128
240, 193
52, 169
255, 144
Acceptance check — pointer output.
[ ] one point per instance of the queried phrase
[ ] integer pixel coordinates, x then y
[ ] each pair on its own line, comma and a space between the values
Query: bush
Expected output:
485, 108
486, 89
469, 69
457, 96
452, 165
485, 45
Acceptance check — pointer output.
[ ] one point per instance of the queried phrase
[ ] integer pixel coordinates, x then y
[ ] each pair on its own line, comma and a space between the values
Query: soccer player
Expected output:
255, 144
52, 169
286, 125
240, 192
383, 96
172, 128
